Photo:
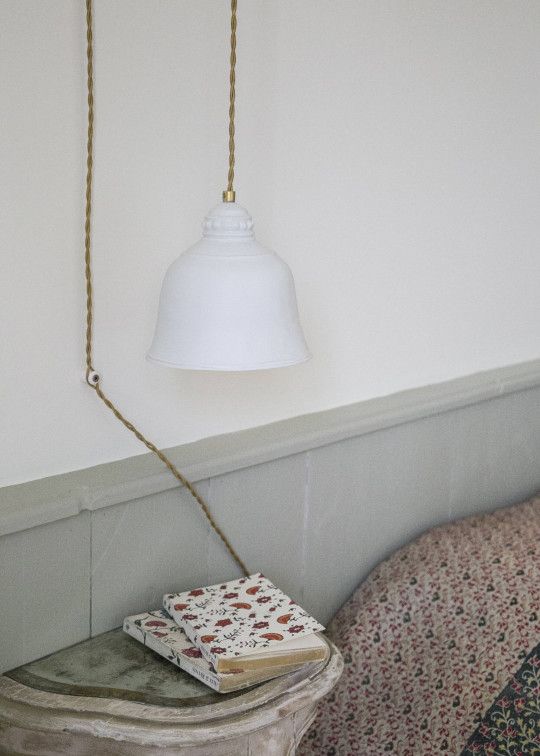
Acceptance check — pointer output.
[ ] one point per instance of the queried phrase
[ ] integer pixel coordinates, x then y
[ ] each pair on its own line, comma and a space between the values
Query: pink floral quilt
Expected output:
432, 637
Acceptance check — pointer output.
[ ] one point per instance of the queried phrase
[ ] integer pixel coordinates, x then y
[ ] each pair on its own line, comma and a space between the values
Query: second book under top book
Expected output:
159, 632
247, 623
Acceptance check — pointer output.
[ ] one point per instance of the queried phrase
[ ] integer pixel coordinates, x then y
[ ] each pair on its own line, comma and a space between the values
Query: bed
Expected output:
441, 647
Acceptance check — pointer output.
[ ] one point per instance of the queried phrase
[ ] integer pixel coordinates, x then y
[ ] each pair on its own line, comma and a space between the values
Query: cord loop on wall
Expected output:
92, 378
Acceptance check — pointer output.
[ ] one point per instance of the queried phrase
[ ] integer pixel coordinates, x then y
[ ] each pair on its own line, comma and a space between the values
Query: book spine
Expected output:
195, 638
178, 660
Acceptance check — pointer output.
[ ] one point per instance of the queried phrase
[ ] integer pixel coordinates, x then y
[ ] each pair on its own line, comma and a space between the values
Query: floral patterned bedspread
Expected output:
430, 640
512, 725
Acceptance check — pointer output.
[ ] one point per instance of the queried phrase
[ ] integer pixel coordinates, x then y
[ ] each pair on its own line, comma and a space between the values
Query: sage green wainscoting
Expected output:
314, 502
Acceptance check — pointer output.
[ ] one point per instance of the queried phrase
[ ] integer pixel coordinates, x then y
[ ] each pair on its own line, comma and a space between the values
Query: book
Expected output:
246, 623
159, 632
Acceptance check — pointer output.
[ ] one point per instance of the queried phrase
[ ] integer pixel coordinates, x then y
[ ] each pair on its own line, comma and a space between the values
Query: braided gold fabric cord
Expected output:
88, 206
92, 378
232, 96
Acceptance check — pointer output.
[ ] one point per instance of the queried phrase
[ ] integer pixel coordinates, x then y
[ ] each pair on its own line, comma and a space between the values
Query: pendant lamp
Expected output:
228, 303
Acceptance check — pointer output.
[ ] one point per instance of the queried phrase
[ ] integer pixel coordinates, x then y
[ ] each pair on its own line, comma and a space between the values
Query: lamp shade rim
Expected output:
232, 368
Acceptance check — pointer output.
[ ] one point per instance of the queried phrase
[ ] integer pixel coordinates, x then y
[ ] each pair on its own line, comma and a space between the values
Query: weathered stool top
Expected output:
114, 665
113, 687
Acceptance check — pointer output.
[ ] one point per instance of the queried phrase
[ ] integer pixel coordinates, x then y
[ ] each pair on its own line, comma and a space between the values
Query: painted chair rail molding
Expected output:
49, 499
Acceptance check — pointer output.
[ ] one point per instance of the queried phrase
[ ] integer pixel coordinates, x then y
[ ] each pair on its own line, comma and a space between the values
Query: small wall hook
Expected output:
92, 378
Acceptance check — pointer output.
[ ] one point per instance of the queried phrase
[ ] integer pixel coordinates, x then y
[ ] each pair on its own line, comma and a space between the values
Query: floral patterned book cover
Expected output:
247, 620
158, 631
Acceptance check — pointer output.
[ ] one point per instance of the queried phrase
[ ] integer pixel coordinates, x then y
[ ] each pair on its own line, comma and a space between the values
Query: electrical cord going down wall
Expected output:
92, 377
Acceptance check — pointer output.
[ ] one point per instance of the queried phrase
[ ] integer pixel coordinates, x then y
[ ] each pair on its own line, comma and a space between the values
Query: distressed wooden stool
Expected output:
111, 695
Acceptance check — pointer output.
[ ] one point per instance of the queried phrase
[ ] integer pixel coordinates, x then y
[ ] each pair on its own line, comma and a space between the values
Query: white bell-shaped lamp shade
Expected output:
227, 303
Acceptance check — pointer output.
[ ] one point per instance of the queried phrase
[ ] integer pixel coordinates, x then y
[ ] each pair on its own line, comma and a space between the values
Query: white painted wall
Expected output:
389, 151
